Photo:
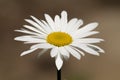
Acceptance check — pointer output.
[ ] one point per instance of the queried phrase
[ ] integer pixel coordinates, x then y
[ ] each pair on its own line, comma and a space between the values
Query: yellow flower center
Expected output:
59, 39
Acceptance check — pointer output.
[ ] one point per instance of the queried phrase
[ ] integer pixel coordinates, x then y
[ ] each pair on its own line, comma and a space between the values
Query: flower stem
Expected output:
59, 74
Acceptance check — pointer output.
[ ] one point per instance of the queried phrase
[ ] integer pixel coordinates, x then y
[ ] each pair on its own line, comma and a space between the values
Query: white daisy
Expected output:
61, 36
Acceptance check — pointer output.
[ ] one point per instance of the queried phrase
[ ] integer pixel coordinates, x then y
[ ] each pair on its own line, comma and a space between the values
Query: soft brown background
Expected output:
104, 67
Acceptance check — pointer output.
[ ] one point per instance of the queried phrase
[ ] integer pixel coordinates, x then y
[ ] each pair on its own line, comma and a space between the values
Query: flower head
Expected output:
61, 36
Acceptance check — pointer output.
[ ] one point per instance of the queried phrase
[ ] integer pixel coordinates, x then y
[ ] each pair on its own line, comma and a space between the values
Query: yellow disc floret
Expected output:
59, 39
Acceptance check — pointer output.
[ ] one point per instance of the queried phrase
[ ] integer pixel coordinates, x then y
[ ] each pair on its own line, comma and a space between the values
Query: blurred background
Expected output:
29, 67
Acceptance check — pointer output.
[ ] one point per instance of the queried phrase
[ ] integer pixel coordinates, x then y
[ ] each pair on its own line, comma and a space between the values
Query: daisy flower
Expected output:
60, 36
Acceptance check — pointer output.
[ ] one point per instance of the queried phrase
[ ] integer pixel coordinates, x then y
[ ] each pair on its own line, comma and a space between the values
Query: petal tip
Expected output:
96, 23
102, 51
16, 38
58, 68
59, 62
79, 58
45, 14
102, 40
31, 16
16, 30
64, 12
26, 20
97, 54
22, 54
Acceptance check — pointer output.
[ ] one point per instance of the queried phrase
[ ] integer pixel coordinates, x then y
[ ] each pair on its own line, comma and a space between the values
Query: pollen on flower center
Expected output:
59, 39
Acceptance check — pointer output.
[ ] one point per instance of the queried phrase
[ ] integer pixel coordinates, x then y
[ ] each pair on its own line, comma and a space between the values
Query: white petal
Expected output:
96, 48
42, 45
57, 23
39, 22
64, 16
40, 36
35, 25
58, 62
37, 41
71, 24
87, 28
79, 51
73, 52
27, 52
88, 40
76, 26
47, 27
42, 24
54, 52
27, 32
63, 20
33, 29
26, 38
85, 34
86, 49
64, 52
50, 21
